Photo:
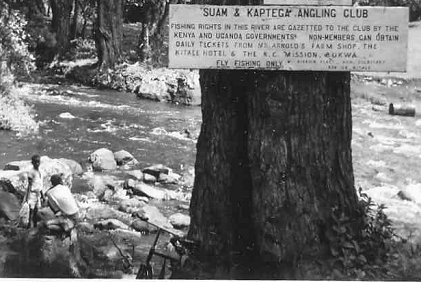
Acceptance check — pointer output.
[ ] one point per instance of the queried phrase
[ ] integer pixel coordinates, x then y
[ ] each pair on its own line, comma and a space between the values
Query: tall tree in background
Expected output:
273, 168
154, 16
74, 26
108, 33
61, 10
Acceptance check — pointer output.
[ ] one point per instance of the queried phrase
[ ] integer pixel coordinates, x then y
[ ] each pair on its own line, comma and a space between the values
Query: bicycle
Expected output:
181, 245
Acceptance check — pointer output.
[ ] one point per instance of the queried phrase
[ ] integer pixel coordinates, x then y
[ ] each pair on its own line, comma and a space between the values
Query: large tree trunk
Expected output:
109, 32
273, 163
60, 24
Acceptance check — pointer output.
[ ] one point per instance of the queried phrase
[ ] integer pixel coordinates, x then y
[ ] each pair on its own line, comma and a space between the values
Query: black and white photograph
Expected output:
210, 139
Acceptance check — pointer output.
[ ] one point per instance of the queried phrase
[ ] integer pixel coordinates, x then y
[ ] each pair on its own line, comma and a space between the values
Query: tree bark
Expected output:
154, 15
273, 163
109, 32
73, 28
60, 24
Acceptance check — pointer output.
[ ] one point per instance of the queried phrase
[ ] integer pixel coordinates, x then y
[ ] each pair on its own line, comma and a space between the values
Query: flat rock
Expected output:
170, 178
155, 170
154, 216
136, 174
110, 224
143, 227
143, 189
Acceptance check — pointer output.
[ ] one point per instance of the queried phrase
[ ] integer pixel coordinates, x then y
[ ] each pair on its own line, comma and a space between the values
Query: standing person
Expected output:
34, 190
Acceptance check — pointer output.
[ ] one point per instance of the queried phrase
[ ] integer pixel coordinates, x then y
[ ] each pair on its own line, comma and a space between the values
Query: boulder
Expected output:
125, 158
153, 215
130, 205
101, 183
135, 174
48, 167
14, 182
110, 224
153, 88
143, 227
103, 159
9, 205
148, 178
129, 184
107, 196
101, 211
170, 178
18, 165
179, 220
143, 189
74, 166
411, 192
156, 170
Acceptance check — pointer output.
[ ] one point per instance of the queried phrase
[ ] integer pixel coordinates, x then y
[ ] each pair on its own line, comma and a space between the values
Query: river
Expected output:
75, 121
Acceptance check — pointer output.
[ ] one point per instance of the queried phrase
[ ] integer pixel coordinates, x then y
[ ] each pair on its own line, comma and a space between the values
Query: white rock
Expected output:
179, 220
149, 191
123, 157
103, 159
407, 150
413, 192
374, 163
381, 176
67, 116
379, 148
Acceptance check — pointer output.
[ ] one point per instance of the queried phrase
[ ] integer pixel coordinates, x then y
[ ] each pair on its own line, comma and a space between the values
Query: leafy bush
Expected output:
15, 114
13, 42
375, 253
15, 59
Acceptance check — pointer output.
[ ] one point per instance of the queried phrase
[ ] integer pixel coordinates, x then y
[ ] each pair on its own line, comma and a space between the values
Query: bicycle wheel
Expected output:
145, 272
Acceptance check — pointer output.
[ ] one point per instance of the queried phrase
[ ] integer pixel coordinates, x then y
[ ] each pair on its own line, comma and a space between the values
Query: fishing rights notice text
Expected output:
325, 38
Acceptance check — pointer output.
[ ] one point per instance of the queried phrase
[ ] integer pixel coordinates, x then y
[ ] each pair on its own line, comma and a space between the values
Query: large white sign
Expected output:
325, 38
309, 2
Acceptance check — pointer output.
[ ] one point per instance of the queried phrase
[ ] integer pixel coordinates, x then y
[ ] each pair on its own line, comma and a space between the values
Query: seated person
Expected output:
63, 204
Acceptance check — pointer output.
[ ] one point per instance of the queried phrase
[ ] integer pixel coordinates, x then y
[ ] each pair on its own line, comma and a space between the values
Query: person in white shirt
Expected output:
35, 183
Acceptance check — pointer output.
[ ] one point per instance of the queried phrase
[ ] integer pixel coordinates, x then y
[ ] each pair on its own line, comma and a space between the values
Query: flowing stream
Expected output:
75, 121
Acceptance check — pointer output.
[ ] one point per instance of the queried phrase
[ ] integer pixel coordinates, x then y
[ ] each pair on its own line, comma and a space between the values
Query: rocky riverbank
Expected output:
112, 239
157, 84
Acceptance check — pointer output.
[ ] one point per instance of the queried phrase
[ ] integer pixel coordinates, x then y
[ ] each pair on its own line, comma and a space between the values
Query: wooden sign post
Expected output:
318, 38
